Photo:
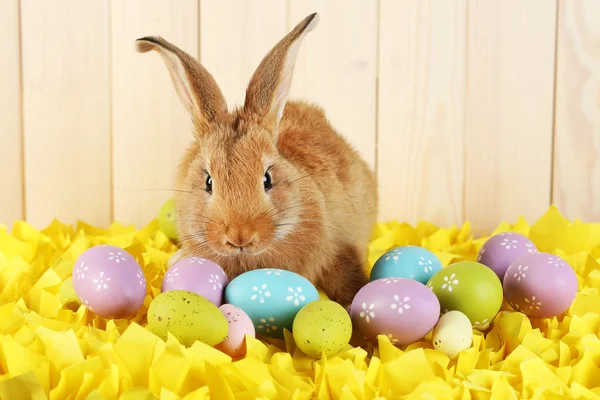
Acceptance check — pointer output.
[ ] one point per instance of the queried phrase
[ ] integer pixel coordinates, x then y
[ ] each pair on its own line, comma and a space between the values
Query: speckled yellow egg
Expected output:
67, 296
453, 333
167, 219
188, 316
322, 326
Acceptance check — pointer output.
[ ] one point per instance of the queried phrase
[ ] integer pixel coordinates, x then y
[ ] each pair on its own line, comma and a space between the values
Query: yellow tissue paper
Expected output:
53, 348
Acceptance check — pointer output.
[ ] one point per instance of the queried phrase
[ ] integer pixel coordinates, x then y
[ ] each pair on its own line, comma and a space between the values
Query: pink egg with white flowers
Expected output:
501, 250
109, 282
402, 309
540, 285
199, 275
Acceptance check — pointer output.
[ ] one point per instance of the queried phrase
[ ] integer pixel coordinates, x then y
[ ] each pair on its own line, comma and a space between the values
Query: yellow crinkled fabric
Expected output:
51, 347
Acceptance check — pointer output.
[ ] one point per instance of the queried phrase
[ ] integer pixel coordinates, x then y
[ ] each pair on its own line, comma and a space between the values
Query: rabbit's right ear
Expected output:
196, 87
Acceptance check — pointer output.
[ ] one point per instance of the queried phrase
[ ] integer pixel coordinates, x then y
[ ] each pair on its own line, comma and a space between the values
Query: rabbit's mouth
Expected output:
251, 249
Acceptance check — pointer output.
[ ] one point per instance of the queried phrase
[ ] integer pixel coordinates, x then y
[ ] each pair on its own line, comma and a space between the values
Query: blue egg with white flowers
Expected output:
271, 297
411, 262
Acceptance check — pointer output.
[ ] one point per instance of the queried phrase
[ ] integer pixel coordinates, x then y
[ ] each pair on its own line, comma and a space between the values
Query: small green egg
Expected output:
188, 316
471, 288
167, 219
322, 326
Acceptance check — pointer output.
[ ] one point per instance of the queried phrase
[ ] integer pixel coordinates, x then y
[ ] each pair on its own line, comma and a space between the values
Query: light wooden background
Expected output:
468, 109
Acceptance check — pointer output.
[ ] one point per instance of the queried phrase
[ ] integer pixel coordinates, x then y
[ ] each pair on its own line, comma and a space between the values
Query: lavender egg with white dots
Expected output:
501, 250
198, 275
402, 309
109, 282
540, 285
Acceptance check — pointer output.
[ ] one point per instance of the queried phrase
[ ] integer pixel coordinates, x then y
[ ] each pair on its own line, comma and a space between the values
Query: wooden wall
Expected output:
467, 109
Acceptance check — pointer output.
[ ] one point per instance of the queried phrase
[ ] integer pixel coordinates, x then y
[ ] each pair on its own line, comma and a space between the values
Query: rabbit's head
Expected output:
237, 194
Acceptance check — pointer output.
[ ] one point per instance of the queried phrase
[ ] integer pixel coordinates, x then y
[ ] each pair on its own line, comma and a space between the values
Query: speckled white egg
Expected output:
453, 333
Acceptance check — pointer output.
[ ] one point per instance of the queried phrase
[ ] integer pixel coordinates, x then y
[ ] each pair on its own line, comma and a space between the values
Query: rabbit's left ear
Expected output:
269, 87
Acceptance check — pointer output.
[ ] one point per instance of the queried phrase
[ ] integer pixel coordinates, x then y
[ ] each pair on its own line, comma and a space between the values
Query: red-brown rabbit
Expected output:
270, 184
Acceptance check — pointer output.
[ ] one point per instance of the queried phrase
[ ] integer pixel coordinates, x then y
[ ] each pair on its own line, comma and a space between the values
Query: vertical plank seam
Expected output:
110, 112
199, 3
21, 111
377, 66
554, 99
465, 110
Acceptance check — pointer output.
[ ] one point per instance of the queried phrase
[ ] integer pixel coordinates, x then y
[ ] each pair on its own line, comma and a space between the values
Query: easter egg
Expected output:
453, 333
322, 326
471, 288
199, 275
402, 309
540, 285
239, 325
187, 316
411, 262
109, 282
501, 250
167, 219
271, 298
67, 296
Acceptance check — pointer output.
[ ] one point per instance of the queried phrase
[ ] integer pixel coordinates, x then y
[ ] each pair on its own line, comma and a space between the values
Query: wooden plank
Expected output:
66, 111
337, 67
150, 126
11, 179
421, 107
509, 115
235, 36
576, 188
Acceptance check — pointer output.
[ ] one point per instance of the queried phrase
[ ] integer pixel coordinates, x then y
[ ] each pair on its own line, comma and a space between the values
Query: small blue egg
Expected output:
412, 262
271, 298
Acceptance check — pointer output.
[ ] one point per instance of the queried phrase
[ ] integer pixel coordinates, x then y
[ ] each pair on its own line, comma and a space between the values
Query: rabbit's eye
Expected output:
208, 184
267, 181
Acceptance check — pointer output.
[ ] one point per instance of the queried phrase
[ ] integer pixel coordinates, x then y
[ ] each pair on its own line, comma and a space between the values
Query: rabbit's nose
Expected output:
241, 239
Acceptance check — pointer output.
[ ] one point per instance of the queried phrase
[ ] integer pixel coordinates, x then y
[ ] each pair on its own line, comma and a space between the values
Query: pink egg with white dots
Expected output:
540, 285
109, 282
199, 275
501, 250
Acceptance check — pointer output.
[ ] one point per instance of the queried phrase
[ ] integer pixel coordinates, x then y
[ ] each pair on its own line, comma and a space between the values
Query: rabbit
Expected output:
270, 184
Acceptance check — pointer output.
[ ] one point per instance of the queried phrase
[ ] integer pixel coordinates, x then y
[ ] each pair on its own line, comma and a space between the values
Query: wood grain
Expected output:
151, 128
235, 36
337, 67
66, 107
509, 114
11, 179
421, 107
576, 189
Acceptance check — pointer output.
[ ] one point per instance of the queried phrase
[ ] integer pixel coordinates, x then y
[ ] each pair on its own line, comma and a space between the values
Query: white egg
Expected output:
453, 333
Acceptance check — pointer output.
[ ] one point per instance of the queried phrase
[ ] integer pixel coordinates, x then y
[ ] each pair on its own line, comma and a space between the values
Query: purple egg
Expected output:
540, 285
109, 282
402, 309
501, 250
199, 275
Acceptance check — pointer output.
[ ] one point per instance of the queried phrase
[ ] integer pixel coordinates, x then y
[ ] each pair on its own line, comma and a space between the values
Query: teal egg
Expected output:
412, 262
271, 298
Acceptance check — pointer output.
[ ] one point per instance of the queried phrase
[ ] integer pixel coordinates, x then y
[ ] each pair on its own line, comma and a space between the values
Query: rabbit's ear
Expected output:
195, 86
269, 87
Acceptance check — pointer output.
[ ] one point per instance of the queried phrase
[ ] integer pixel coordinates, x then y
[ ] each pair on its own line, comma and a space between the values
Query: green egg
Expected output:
188, 316
322, 326
167, 218
471, 288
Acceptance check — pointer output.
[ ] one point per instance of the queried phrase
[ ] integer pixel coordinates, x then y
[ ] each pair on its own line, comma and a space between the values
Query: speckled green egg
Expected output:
188, 316
322, 326
167, 219
471, 288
